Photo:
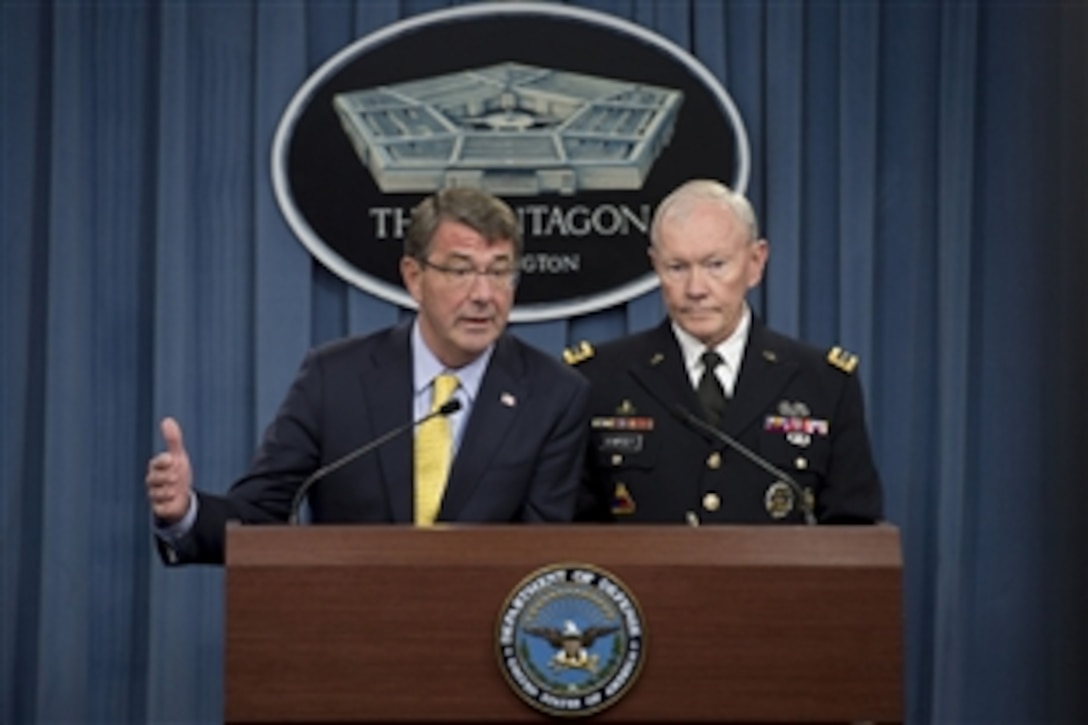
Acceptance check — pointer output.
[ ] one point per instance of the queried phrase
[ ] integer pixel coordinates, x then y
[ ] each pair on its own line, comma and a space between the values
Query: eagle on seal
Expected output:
571, 644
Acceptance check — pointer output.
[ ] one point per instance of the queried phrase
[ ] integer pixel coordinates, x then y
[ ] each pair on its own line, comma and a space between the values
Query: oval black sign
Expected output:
580, 120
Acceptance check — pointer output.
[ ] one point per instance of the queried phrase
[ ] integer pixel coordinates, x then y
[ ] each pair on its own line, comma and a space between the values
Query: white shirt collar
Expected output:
425, 366
731, 350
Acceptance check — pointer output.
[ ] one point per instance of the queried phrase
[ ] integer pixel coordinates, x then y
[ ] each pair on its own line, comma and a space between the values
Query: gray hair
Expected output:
487, 214
690, 193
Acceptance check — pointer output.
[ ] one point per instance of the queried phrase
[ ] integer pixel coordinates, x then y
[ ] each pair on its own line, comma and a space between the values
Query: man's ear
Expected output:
411, 273
759, 250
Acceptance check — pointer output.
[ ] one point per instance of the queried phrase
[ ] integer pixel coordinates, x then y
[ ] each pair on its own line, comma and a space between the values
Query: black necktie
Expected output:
710, 390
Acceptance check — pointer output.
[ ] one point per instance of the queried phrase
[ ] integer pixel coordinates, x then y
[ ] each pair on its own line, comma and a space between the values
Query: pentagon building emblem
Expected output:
512, 129
570, 640
581, 120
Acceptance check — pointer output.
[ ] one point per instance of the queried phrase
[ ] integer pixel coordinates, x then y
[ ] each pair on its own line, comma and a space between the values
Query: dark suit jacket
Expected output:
646, 465
519, 460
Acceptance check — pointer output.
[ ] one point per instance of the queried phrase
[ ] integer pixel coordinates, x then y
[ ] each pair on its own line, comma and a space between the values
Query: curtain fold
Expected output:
919, 170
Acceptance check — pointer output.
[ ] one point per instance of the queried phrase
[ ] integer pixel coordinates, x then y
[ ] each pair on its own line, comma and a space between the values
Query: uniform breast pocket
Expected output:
806, 463
625, 450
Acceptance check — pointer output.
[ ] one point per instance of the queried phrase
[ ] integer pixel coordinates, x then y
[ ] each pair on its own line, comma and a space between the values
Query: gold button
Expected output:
801, 463
712, 502
714, 460
617, 459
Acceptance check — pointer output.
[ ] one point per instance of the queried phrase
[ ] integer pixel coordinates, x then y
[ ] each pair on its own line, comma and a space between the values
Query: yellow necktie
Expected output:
434, 449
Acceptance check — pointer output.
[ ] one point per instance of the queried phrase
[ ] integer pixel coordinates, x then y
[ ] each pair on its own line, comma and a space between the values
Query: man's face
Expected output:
461, 313
707, 263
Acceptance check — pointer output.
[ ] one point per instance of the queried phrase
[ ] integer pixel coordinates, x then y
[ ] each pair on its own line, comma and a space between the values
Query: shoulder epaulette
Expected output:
843, 360
578, 353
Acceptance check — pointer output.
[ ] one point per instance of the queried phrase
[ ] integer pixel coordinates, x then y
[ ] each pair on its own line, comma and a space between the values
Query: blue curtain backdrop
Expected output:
920, 170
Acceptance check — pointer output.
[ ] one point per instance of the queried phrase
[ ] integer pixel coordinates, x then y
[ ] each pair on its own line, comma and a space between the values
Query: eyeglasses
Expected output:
463, 275
681, 271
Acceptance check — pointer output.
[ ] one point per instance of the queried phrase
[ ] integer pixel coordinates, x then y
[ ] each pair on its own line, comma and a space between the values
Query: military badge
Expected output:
795, 409
570, 640
799, 439
778, 500
620, 422
579, 353
620, 443
843, 360
622, 501
794, 419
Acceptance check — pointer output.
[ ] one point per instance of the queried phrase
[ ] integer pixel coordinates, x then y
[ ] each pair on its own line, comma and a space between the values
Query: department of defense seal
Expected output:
570, 640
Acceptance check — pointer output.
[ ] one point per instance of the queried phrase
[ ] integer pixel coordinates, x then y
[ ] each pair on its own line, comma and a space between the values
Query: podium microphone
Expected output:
450, 407
802, 496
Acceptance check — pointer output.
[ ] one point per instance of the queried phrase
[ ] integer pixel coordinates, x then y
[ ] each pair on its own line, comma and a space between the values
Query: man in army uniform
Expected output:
664, 401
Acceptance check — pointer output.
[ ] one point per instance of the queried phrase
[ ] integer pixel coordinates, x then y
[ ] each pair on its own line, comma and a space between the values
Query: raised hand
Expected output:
169, 476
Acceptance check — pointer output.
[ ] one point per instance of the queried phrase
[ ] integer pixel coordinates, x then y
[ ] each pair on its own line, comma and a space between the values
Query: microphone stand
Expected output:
451, 406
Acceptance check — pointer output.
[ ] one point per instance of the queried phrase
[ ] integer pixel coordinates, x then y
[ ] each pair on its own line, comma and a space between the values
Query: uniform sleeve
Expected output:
853, 492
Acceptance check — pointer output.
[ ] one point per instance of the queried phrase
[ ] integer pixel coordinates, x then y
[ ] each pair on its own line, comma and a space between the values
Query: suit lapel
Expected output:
501, 399
387, 380
764, 371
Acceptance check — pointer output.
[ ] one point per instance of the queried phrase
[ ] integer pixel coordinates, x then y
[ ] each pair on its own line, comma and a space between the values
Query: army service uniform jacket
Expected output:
797, 407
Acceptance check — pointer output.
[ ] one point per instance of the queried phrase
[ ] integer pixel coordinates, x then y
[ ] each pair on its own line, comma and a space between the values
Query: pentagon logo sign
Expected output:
570, 640
580, 120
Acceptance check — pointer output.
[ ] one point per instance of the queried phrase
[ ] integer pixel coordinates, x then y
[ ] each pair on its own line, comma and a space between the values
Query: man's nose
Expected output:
696, 283
481, 286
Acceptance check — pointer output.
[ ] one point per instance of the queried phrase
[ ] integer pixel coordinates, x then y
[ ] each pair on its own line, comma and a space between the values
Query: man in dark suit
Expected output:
796, 407
512, 453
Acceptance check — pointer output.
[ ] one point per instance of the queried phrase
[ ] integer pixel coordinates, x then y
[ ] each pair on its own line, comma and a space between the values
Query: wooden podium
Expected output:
391, 623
